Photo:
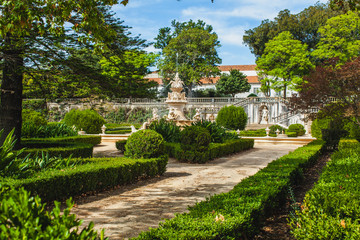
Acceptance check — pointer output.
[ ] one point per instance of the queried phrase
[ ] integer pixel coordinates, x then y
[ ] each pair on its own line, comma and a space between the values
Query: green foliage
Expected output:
286, 60
232, 117
215, 150
238, 214
88, 120
298, 128
208, 93
339, 38
51, 130
57, 149
26, 217
232, 84
317, 126
195, 138
253, 133
349, 144
9, 163
93, 140
119, 131
332, 136
144, 144
191, 49
120, 145
168, 130
273, 129
33, 117
303, 26
217, 133
95, 174
128, 73
331, 209
291, 134
353, 130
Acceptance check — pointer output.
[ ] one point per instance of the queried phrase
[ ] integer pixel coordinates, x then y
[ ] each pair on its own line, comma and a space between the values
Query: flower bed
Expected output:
239, 213
331, 210
94, 175
215, 150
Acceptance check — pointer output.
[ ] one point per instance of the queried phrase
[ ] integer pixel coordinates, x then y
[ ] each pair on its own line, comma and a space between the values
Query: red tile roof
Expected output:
237, 67
223, 68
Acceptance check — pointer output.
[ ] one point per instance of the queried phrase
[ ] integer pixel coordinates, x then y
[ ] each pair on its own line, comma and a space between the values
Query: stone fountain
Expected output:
176, 101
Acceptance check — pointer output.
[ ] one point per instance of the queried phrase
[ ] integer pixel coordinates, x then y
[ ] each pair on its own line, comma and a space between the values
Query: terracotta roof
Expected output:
237, 67
213, 80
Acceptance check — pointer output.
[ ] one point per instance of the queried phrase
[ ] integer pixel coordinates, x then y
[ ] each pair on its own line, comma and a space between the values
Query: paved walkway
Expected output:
128, 210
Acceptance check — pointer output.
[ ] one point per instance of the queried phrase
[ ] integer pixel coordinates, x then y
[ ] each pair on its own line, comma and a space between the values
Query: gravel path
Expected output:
128, 210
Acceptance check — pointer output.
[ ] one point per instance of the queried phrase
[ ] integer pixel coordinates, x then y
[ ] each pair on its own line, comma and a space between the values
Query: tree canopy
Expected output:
40, 28
286, 61
191, 50
332, 89
233, 83
303, 26
340, 37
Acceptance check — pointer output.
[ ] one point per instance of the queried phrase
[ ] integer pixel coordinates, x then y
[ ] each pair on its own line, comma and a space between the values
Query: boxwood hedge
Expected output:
239, 213
90, 139
96, 174
331, 210
55, 149
215, 150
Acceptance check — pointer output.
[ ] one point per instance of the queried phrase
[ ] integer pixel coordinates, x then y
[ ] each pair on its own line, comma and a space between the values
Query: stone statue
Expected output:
177, 83
155, 115
172, 115
197, 116
264, 115
212, 118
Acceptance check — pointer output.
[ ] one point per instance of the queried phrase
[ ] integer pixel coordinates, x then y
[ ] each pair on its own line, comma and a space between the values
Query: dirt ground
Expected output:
128, 210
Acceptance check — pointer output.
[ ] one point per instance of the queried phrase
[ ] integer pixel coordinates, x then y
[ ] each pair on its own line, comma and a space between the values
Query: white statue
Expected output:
197, 116
172, 115
155, 115
133, 129
265, 115
177, 83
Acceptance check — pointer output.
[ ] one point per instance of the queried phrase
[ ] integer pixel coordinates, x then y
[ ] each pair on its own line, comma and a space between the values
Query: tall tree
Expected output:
333, 89
303, 26
340, 38
345, 5
233, 83
191, 51
129, 71
26, 19
286, 61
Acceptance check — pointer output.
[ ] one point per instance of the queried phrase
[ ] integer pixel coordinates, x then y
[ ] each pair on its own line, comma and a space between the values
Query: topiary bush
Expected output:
88, 120
144, 144
33, 117
232, 117
319, 124
120, 145
273, 129
195, 138
298, 128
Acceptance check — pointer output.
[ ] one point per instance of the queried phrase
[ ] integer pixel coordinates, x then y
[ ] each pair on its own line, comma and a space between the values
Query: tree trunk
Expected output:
11, 91
284, 91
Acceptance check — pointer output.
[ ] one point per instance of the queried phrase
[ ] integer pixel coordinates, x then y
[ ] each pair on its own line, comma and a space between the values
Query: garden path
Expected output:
126, 211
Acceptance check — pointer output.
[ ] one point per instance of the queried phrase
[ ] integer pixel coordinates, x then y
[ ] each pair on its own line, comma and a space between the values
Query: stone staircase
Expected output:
254, 126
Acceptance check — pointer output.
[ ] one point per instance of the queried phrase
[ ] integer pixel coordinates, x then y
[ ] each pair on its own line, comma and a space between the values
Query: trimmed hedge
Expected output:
120, 145
331, 210
239, 213
90, 139
121, 131
55, 149
97, 174
215, 150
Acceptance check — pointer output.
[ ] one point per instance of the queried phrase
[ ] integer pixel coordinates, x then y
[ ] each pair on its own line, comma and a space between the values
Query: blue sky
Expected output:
229, 18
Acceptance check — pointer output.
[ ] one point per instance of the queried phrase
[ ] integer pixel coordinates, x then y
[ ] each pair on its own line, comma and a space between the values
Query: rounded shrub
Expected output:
88, 120
232, 117
298, 128
144, 144
195, 138
318, 125
33, 117
273, 129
